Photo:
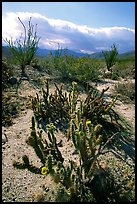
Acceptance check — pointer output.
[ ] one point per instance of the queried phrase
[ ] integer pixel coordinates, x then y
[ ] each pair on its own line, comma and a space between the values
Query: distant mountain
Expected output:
97, 55
5, 51
45, 52
127, 55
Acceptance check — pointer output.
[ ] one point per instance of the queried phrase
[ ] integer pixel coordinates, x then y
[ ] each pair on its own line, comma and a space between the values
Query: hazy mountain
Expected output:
45, 52
127, 55
5, 51
97, 55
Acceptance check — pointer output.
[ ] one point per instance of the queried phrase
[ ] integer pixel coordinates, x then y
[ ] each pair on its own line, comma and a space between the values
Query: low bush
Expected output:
7, 72
124, 69
126, 91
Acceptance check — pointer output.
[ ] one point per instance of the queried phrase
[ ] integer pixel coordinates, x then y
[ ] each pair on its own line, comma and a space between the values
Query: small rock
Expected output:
4, 138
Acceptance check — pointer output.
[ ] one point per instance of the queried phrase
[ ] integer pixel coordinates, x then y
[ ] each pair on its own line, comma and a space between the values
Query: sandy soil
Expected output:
125, 110
22, 185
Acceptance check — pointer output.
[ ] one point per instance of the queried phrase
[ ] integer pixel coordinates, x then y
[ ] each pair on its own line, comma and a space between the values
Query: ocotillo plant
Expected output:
24, 49
110, 57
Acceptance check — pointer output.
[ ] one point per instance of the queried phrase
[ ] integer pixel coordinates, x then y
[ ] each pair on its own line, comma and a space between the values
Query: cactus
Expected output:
36, 142
87, 128
50, 164
55, 151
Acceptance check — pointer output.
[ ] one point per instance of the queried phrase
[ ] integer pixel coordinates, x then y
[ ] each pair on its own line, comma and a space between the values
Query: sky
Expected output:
82, 26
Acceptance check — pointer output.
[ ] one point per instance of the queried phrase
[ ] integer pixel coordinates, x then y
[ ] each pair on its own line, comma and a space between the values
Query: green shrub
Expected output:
86, 69
126, 91
110, 56
124, 68
7, 72
24, 49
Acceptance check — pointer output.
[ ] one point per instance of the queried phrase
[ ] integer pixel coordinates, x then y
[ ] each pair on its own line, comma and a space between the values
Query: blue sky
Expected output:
86, 21
94, 14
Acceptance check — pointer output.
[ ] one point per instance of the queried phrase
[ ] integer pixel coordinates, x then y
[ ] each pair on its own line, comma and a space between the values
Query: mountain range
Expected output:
45, 52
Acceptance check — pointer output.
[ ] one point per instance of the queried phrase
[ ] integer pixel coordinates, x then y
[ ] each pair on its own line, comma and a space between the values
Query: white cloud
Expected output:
68, 34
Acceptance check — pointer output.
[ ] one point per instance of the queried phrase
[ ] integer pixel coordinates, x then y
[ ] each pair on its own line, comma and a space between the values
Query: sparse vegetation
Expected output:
91, 125
24, 49
86, 133
124, 69
126, 91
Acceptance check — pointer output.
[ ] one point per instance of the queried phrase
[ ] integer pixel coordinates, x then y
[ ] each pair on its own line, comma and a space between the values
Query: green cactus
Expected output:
36, 142
59, 155
55, 151
33, 123
49, 163
73, 135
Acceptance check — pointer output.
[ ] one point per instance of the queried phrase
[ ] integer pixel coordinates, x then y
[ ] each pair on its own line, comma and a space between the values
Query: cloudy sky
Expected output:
82, 26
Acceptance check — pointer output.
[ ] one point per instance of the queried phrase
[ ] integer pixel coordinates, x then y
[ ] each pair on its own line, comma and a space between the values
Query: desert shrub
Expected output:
24, 49
126, 91
43, 64
69, 69
35, 64
124, 68
7, 72
110, 56
12, 105
86, 69
9, 109
64, 66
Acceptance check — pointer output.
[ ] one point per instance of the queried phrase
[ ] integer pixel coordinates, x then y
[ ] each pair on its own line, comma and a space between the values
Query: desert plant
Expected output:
110, 56
126, 91
60, 107
51, 108
86, 130
43, 149
124, 68
24, 48
7, 72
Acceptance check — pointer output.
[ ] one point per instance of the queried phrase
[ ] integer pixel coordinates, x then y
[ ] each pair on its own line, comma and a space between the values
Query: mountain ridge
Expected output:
45, 52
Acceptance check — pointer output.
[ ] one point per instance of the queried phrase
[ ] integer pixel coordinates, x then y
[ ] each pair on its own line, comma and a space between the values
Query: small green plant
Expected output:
110, 56
24, 49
